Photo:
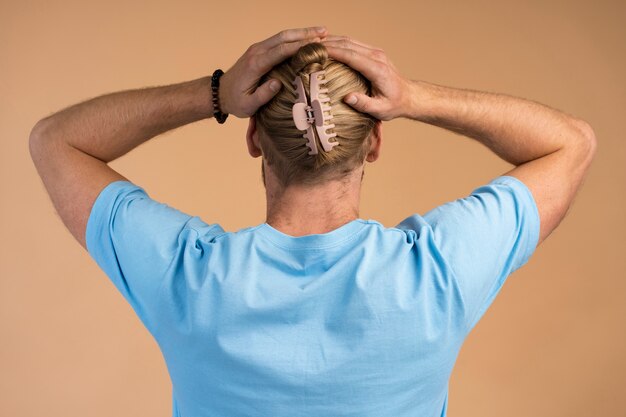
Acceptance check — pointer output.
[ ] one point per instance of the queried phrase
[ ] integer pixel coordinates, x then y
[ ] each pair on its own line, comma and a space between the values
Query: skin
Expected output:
71, 149
300, 210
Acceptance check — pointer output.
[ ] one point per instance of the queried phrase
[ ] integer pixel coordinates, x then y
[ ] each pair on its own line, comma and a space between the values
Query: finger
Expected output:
280, 52
348, 44
362, 103
292, 35
264, 93
363, 63
329, 38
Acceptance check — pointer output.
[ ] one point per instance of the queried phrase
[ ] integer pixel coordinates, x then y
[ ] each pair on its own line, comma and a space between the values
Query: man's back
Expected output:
212, 299
364, 320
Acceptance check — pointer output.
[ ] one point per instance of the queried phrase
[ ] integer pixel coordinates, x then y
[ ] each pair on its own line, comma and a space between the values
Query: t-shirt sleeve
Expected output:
135, 239
484, 237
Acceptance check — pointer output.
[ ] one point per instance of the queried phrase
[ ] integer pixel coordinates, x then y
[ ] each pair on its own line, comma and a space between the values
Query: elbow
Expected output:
38, 131
589, 143
38, 136
34, 139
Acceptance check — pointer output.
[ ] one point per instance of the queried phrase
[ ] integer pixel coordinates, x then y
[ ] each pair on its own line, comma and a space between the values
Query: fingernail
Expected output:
351, 100
320, 29
274, 85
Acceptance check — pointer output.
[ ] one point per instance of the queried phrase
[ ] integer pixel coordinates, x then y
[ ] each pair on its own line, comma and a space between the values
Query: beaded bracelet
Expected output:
215, 84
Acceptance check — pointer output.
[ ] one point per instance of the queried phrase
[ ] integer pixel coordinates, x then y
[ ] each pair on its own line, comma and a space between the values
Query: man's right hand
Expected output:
392, 94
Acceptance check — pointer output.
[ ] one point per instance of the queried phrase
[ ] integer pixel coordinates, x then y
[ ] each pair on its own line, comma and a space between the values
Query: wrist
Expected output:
420, 100
219, 113
202, 97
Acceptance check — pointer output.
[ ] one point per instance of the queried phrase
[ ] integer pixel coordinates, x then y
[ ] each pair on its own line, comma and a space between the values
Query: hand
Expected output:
391, 93
238, 92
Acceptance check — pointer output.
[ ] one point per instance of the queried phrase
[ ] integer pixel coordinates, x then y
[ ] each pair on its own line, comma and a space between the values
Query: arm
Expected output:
551, 150
71, 148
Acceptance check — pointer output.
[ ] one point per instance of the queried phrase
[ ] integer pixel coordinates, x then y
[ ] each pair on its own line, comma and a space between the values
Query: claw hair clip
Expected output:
306, 116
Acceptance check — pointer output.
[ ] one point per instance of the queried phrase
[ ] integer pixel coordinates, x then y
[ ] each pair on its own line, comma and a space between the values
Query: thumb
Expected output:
360, 102
266, 91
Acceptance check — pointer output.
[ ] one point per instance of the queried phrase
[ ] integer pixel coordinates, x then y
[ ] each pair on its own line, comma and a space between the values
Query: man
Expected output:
317, 323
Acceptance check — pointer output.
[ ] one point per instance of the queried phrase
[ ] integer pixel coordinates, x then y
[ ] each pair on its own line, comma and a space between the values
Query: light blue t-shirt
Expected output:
362, 321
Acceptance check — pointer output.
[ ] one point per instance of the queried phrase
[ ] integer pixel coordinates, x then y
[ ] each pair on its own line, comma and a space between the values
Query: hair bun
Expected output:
311, 53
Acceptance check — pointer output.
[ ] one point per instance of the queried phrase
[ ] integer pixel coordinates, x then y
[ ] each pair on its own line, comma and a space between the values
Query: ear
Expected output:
252, 139
376, 140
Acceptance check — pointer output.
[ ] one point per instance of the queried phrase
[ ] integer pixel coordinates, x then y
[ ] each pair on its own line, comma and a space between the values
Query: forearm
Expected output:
109, 126
516, 129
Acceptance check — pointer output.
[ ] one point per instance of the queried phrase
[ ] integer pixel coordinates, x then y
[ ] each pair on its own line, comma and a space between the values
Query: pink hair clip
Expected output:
305, 116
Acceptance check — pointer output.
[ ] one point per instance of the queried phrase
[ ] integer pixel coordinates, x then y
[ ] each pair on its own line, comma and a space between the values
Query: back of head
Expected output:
284, 146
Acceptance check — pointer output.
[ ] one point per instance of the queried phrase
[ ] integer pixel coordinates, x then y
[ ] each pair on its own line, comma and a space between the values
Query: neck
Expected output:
303, 210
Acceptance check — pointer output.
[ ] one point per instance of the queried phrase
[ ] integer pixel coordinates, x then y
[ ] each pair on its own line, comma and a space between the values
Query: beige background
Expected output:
553, 342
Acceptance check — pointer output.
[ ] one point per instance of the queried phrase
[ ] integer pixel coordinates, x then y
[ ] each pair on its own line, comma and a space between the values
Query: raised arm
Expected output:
71, 148
551, 150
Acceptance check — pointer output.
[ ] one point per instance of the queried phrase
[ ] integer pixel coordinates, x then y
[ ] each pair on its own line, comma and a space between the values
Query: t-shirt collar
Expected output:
323, 240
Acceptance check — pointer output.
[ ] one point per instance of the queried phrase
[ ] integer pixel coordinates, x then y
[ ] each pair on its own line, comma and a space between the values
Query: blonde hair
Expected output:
283, 145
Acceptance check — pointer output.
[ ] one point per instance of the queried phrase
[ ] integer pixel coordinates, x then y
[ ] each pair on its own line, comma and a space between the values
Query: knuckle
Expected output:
379, 55
252, 48
253, 63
